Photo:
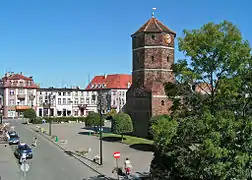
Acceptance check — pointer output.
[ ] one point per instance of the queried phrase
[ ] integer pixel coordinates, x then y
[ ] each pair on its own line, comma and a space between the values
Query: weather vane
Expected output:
153, 12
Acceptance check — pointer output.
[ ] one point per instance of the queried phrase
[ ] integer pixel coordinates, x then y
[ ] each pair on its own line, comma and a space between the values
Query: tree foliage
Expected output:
153, 121
30, 113
122, 124
93, 119
217, 55
212, 108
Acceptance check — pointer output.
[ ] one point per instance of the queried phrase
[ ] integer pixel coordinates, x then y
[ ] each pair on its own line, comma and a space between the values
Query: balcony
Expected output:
21, 96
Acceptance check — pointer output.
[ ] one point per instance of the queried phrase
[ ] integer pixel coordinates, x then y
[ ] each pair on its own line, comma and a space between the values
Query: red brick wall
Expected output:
141, 109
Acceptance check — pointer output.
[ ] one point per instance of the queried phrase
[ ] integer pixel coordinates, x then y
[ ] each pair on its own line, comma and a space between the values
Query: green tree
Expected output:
30, 113
122, 124
216, 53
203, 147
93, 120
210, 141
153, 121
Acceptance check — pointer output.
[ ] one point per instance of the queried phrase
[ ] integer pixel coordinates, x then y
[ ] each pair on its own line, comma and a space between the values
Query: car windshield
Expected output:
24, 147
14, 136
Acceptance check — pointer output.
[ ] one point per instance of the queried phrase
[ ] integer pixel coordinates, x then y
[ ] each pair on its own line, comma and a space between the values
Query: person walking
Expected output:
128, 166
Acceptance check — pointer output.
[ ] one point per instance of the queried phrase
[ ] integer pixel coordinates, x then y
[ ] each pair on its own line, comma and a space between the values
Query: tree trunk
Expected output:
122, 137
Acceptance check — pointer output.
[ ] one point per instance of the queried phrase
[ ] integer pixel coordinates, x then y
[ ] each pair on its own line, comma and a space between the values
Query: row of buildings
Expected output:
18, 93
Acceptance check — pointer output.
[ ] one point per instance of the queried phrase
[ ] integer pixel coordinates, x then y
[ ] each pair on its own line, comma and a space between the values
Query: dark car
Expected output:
23, 149
12, 133
14, 139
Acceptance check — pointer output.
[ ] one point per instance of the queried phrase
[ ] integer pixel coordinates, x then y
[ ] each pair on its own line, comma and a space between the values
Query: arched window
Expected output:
162, 102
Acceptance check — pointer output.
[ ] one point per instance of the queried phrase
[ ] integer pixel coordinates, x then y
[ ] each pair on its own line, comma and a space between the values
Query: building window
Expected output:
114, 93
68, 101
12, 92
22, 102
76, 101
76, 113
82, 101
59, 101
76, 93
64, 93
12, 102
162, 102
20, 91
152, 58
168, 58
69, 93
114, 102
59, 93
64, 101
153, 37
88, 101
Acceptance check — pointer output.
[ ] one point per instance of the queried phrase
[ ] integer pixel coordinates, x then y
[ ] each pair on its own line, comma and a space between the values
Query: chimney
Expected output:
30, 77
21, 73
105, 76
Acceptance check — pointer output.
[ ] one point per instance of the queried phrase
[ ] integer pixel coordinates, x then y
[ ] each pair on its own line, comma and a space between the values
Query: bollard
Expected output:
56, 139
42, 130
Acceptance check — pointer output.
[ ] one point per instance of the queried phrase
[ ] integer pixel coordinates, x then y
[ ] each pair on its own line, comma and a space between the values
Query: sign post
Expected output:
117, 156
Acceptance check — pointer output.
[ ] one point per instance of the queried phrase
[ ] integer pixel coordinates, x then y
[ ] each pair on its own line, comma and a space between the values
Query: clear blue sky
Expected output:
62, 41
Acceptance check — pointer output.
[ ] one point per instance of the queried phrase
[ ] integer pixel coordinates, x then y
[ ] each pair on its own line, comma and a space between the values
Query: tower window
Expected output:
153, 37
168, 58
152, 58
162, 102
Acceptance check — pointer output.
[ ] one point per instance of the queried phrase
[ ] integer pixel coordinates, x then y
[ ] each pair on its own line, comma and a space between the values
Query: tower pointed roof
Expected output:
154, 26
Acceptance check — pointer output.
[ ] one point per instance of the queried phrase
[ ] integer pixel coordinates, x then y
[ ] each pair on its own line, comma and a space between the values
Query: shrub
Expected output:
122, 124
36, 120
93, 119
30, 113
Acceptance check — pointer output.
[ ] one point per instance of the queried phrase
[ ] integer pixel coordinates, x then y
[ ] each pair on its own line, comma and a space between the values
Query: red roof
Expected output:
112, 81
154, 25
18, 77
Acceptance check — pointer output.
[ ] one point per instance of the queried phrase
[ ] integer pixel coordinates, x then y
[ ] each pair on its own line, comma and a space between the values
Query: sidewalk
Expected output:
8, 165
77, 140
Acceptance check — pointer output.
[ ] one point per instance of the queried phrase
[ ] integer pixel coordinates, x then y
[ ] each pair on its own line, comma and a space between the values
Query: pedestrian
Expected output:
128, 166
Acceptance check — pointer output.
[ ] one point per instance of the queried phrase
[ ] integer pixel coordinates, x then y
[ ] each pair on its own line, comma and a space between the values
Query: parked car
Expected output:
14, 139
23, 148
12, 133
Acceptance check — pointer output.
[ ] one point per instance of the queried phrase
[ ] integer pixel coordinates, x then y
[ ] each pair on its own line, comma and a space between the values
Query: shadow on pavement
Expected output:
113, 139
86, 133
105, 129
143, 147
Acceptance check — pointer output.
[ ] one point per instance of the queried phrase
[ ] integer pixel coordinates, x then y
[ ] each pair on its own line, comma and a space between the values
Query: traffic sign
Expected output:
117, 155
25, 167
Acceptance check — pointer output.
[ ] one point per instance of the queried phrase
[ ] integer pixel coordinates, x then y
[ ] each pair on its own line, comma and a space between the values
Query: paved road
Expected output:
49, 162
8, 166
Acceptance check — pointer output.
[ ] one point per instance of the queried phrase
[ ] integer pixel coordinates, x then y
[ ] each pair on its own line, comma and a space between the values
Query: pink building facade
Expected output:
17, 93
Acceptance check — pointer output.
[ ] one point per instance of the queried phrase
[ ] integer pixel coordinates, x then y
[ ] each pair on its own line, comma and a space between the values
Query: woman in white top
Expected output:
127, 165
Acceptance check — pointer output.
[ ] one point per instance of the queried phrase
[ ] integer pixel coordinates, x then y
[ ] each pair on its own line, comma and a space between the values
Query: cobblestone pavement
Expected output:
78, 139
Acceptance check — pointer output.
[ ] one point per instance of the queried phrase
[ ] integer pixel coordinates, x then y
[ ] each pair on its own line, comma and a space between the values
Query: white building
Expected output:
65, 102
114, 86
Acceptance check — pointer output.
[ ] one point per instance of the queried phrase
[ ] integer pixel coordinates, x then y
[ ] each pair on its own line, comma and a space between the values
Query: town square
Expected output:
112, 90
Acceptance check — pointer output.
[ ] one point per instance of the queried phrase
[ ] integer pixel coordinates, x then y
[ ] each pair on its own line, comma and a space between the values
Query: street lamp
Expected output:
100, 112
1, 114
47, 105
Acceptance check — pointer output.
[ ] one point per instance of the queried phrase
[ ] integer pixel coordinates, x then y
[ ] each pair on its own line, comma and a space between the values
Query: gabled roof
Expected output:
19, 77
154, 25
111, 81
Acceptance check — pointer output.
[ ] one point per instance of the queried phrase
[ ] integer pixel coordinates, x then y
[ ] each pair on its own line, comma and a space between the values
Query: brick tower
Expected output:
153, 56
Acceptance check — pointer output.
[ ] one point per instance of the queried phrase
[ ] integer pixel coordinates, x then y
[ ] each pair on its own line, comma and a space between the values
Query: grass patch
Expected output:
130, 140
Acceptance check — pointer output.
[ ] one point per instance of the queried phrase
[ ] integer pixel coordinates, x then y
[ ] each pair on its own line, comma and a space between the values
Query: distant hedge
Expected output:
65, 119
